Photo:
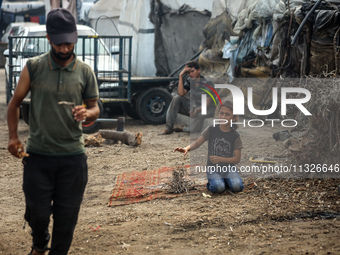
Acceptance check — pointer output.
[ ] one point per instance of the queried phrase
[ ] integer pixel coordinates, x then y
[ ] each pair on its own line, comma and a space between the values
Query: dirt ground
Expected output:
271, 216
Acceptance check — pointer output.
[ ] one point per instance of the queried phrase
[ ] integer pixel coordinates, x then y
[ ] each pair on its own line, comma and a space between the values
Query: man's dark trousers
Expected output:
53, 185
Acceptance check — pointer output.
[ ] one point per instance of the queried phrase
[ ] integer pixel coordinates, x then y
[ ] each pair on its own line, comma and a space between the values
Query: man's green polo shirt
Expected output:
52, 128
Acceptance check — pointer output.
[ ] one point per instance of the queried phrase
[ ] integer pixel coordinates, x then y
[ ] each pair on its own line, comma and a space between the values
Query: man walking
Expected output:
55, 167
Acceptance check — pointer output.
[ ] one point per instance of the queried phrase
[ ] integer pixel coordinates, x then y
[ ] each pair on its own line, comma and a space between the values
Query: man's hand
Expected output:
180, 89
193, 113
185, 70
80, 113
16, 148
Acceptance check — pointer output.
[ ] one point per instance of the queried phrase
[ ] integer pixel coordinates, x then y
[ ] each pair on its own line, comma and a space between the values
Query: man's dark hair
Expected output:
194, 64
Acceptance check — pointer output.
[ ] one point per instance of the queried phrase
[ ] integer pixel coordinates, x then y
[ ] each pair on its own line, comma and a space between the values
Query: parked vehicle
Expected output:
31, 41
14, 29
146, 98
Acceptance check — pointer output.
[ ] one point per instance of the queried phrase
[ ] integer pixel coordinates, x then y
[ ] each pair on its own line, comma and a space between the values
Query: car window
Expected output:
15, 30
36, 45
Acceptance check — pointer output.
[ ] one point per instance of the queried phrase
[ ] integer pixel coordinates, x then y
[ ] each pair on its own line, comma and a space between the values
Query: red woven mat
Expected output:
141, 186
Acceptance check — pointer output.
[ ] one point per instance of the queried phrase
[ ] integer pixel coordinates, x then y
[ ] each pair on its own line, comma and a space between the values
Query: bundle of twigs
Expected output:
180, 182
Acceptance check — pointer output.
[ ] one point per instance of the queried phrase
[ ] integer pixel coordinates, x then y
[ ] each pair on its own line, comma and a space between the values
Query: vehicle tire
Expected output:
152, 105
25, 112
94, 126
130, 109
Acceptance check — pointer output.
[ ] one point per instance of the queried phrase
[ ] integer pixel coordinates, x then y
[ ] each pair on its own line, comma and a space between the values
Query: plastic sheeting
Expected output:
256, 12
265, 38
248, 49
230, 52
324, 46
260, 24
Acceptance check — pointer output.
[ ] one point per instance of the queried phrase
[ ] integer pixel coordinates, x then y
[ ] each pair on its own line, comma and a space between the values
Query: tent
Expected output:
104, 15
166, 33
134, 21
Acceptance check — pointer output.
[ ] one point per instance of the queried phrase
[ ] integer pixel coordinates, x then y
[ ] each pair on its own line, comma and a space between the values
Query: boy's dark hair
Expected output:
225, 103
228, 104
194, 64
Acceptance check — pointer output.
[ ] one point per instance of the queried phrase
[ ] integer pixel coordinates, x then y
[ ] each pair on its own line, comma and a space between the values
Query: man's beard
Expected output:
61, 56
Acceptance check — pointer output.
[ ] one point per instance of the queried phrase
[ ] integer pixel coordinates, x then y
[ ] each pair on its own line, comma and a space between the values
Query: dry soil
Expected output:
271, 216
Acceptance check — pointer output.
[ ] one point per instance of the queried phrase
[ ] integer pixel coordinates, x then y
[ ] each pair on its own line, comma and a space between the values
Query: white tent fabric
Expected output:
218, 8
104, 16
233, 7
134, 21
110, 8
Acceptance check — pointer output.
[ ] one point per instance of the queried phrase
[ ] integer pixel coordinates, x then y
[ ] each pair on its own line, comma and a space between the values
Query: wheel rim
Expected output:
156, 106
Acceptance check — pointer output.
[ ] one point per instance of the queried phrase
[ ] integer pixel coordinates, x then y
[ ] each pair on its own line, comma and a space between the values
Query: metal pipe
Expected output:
304, 21
106, 120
